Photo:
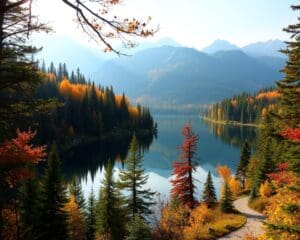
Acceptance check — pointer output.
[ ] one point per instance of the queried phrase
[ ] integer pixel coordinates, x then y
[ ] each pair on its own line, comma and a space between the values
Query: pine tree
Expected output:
243, 163
53, 219
288, 88
76, 191
133, 180
90, 220
226, 199
29, 211
138, 229
209, 193
109, 208
182, 185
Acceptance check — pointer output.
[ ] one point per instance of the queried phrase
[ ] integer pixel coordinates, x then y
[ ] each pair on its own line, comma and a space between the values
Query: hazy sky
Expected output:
194, 23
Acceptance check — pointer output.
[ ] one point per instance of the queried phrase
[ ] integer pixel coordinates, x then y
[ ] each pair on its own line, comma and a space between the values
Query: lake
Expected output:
218, 144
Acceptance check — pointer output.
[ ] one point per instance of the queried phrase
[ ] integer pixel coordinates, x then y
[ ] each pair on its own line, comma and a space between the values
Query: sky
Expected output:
192, 23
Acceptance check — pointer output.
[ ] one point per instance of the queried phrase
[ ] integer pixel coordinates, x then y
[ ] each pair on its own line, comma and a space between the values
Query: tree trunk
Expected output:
2, 11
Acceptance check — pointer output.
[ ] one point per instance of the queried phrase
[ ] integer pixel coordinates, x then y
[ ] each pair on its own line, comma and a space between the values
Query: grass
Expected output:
259, 204
221, 224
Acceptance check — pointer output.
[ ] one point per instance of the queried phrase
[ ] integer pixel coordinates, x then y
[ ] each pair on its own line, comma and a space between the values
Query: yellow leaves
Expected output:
199, 216
220, 114
264, 112
172, 221
234, 185
266, 189
282, 209
76, 221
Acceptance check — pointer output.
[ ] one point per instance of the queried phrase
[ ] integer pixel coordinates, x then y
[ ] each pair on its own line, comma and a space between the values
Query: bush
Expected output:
259, 204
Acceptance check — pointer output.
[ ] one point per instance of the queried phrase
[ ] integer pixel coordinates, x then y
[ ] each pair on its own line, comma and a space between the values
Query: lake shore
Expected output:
233, 123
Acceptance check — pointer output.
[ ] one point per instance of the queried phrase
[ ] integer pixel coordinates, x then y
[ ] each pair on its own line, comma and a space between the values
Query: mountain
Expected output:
58, 48
146, 44
179, 75
219, 45
269, 48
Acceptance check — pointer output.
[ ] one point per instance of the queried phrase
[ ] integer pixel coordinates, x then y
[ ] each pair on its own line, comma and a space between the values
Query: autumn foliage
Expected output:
282, 212
183, 185
15, 154
292, 134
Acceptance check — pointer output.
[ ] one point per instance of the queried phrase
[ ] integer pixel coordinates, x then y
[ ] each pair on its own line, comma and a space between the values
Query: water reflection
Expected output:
217, 145
234, 135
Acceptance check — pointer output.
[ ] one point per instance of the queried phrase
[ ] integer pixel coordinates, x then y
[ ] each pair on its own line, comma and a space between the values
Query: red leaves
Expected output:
282, 176
15, 154
183, 187
291, 133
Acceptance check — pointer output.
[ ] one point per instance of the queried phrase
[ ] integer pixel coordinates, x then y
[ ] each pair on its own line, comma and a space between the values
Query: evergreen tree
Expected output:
209, 193
183, 185
90, 220
138, 229
226, 199
109, 209
133, 180
288, 88
53, 218
76, 191
29, 211
243, 163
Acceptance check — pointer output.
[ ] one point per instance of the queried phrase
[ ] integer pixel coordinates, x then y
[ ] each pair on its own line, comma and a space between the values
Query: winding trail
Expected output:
253, 224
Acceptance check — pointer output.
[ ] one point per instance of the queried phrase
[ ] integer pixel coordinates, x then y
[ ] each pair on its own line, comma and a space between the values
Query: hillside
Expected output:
180, 75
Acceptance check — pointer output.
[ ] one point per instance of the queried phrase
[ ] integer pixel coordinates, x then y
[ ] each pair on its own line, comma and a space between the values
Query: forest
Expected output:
245, 108
46, 111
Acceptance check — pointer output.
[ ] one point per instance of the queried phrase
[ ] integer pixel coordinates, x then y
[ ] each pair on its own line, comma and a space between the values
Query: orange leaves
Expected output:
76, 91
224, 172
268, 95
16, 153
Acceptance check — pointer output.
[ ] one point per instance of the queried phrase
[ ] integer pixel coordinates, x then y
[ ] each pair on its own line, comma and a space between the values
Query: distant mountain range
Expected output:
180, 75
165, 72
268, 48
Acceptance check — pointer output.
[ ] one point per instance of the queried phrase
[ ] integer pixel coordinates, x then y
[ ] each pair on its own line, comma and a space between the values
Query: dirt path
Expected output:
253, 224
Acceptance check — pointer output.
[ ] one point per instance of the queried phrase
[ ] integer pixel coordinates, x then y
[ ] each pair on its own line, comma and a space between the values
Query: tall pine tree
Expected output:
133, 180
76, 191
109, 208
90, 220
226, 199
209, 192
183, 184
288, 88
53, 219
243, 164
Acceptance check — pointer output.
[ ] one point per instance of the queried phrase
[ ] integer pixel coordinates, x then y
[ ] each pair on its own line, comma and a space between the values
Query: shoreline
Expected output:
233, 123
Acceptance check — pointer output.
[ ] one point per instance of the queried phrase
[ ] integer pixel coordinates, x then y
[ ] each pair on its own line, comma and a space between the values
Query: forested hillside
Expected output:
86, 110
245, 108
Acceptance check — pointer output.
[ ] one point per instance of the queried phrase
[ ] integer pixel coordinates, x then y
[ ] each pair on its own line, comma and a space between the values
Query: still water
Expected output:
218, 144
